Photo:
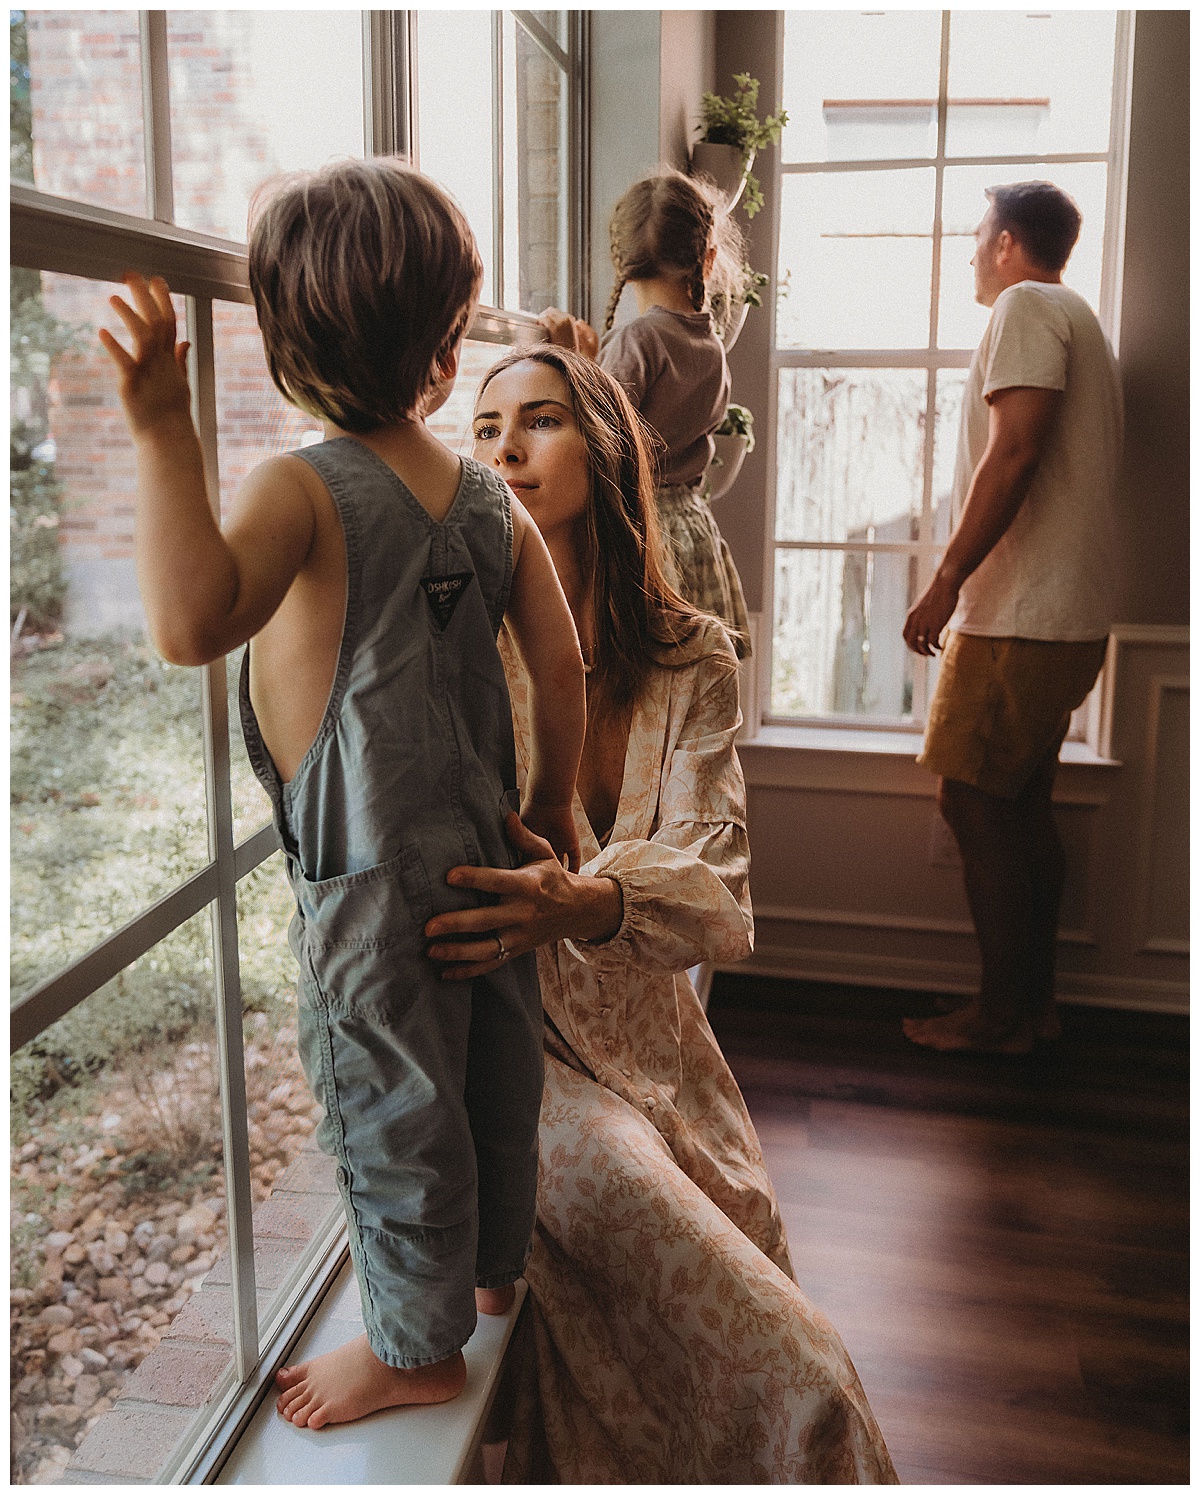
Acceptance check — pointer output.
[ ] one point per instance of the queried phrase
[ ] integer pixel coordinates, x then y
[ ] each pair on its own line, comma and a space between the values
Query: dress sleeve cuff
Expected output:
616, 949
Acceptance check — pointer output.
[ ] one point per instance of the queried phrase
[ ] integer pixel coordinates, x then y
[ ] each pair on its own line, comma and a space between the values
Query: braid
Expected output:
695, 285
618, 287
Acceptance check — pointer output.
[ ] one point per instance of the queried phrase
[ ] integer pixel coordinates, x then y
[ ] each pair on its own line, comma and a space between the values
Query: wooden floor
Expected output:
1002, 1243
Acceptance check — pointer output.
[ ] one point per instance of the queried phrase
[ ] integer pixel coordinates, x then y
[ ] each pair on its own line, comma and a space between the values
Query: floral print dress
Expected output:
666, 1340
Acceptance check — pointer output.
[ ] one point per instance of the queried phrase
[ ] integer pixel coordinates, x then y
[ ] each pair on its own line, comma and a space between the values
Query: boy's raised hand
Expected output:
556, 824
153, 378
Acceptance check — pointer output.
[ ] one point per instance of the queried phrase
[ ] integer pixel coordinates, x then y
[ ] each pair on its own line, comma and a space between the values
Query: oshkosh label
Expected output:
442, 594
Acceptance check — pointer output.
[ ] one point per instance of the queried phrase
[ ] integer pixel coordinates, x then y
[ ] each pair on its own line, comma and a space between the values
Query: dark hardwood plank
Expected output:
1003, 1245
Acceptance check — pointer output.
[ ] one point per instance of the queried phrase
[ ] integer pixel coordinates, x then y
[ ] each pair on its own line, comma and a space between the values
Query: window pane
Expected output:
960, 319
860, 86
950, 385
855, 259
108, 807
251, 807
76, 115
851, 454
510, 194
245, 86
254, 422
286, 1167
118, 1206
537, 186
838, 646
1025, 83
454, 105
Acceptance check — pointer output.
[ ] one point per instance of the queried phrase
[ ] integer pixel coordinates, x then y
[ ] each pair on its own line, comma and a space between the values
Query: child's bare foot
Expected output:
967, 1028
351, 1381
495, 1299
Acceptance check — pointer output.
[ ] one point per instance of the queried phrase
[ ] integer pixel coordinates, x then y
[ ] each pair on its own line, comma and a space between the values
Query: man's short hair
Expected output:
364, 275
1042, 218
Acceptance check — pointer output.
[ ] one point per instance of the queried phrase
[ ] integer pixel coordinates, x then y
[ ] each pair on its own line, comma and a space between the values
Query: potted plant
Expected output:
734, 440
729, 313
730, 135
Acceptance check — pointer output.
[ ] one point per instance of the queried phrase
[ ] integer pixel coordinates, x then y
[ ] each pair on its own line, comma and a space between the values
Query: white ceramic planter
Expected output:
724, 167
726, 464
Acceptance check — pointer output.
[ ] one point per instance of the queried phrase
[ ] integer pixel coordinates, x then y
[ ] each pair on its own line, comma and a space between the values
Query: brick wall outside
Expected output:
539, 85
160, 1402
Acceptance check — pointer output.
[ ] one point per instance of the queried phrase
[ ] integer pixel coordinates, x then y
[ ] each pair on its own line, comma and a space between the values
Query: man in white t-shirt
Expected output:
1027, 587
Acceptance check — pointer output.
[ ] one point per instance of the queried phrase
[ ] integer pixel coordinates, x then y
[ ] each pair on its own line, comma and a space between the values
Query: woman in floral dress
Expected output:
667, 1341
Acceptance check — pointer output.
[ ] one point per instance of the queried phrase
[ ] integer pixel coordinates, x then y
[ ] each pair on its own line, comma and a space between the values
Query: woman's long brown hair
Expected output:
640, 619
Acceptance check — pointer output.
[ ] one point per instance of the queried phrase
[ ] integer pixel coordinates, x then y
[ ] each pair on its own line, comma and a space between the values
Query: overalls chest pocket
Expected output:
362, 937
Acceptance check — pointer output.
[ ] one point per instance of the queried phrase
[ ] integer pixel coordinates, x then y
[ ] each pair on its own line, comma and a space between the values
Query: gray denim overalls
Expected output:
431, 1089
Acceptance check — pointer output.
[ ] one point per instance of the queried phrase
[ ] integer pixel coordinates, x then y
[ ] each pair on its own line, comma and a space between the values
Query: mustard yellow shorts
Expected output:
1003, 705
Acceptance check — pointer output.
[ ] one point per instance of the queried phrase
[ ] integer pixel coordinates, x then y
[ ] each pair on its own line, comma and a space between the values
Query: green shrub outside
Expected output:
102, 732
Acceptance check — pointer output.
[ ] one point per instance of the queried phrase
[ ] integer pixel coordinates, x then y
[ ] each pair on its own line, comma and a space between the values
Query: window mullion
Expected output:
925, 526
873, 358
578, 196
226, 969
156, 115
909, 163
764, 645
1113, 259
939, 175
498, 157
387, 83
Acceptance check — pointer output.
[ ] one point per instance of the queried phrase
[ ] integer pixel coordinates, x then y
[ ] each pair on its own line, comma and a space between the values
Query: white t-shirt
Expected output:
1053, 573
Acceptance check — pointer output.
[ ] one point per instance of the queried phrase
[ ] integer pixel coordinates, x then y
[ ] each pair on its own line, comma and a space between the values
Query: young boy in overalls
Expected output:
372, 573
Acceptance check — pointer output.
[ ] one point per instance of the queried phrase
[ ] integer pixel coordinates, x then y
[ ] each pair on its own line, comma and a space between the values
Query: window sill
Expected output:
860, 760
436, 1445
902, 744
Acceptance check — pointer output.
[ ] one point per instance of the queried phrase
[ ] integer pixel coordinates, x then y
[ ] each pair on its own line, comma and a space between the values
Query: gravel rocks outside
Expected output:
114, 1253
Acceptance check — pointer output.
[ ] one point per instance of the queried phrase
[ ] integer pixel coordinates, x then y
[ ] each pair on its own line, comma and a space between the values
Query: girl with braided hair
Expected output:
674, 243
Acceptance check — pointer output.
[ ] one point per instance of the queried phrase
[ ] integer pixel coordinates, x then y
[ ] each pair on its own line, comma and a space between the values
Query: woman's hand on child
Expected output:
538, 903
567, 331
153, 378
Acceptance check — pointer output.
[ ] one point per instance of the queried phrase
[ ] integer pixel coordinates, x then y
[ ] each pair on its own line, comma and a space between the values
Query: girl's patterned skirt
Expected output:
704, 571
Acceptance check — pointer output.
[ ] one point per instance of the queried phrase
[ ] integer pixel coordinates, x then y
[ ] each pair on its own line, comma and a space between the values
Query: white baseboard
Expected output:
1136, 994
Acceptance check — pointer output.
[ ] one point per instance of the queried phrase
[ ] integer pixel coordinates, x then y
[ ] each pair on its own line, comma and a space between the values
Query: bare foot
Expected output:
1046, 1025
495, 1299
967, 1028
351, 1381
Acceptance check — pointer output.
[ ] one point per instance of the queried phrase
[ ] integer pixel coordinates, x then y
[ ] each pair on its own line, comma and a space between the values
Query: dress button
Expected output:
650, 1103
604, 1011
610, 1044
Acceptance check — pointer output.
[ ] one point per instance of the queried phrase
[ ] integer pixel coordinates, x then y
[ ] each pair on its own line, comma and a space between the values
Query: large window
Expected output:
158, 1102
897, 123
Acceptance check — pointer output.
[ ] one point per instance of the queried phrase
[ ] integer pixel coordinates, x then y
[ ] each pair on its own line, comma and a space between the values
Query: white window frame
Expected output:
930, 358
64, 236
